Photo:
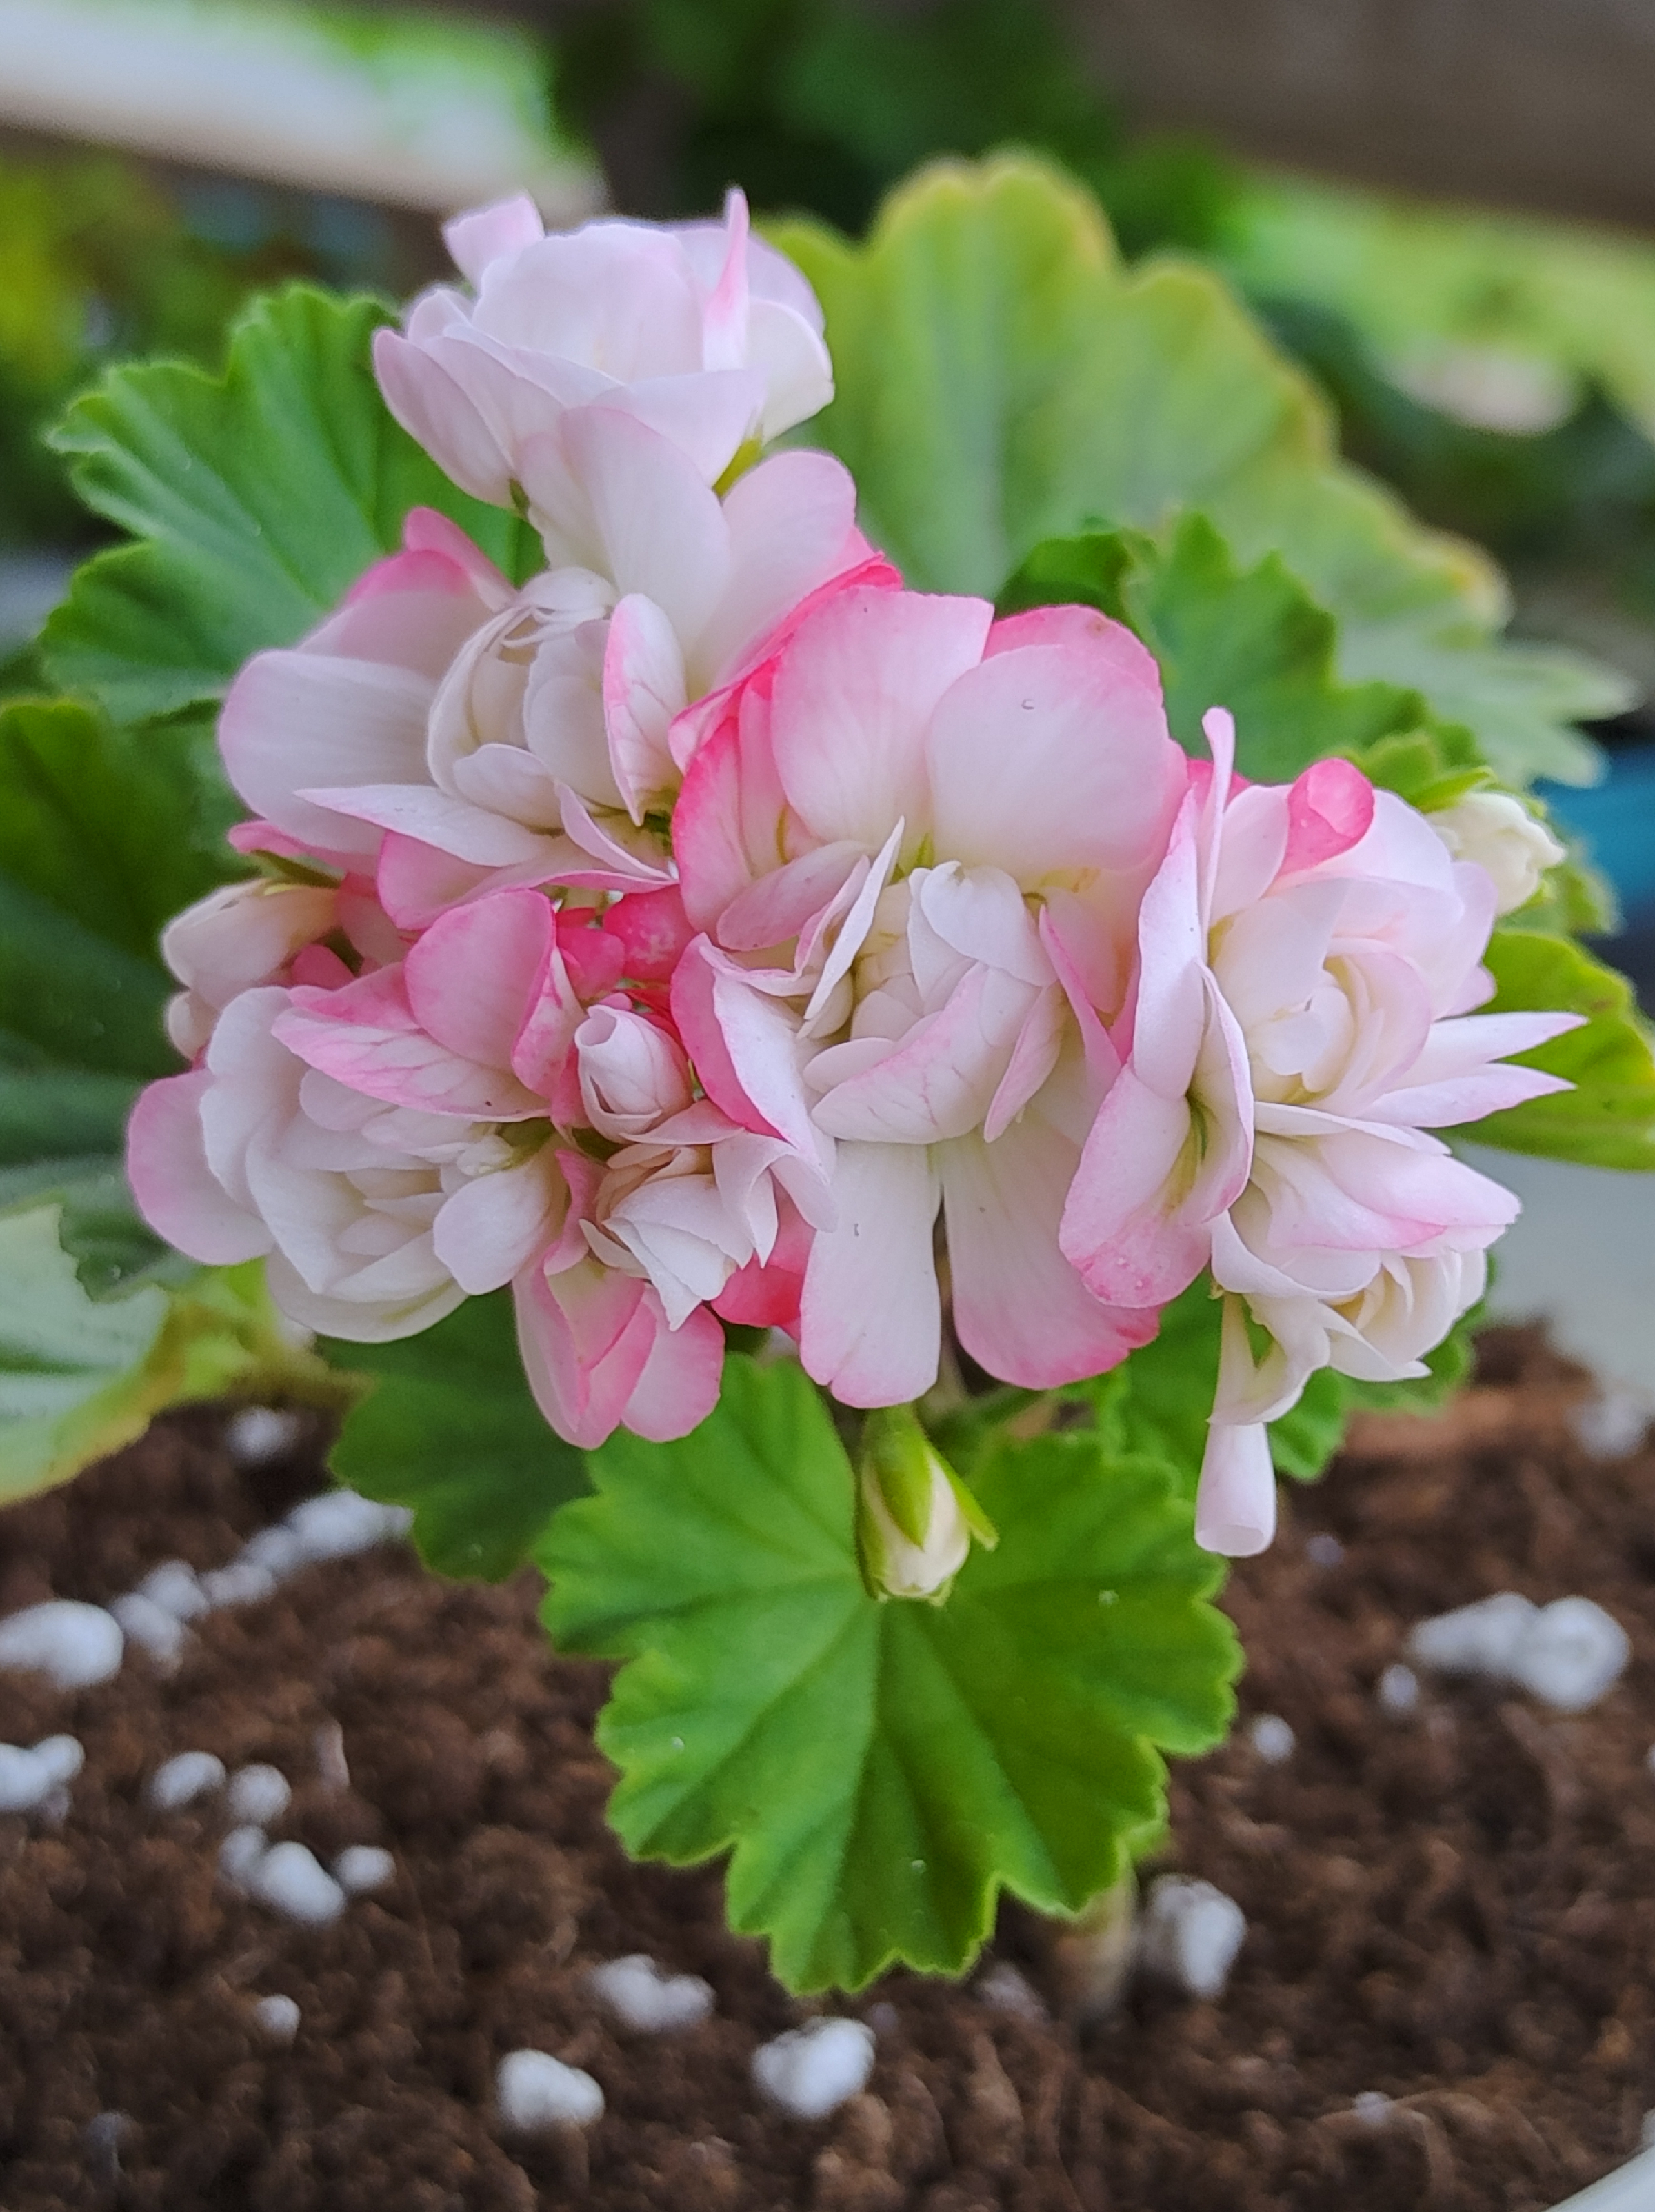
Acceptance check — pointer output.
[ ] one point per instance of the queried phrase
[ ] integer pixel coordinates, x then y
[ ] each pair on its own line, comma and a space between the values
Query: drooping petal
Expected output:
1235, 1502
679, 1385
870, 1316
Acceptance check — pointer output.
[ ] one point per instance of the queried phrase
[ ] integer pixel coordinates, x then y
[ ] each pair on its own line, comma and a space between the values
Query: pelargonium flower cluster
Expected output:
688, 934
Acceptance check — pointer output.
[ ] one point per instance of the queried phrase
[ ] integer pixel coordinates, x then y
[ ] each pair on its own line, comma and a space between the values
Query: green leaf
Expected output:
1608, 1119
79, 1379
258, 497
450, 1427
880, 1772
74, 1377
1001, 380
1252, 641
103, 834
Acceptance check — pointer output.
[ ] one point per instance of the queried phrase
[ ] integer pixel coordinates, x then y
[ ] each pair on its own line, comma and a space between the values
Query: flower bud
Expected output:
1502, 837
915, 1518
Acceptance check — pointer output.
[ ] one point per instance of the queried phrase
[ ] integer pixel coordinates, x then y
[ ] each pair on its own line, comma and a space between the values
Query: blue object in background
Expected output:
1616, 820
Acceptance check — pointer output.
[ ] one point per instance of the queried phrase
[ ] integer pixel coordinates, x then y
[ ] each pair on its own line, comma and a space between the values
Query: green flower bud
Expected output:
915, 1518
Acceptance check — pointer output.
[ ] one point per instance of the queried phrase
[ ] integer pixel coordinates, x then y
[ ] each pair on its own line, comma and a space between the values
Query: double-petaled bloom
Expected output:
1303, 1017
915, 844
708, 930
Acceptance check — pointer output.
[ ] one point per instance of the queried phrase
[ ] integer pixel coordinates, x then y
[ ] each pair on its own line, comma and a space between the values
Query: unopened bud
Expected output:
915, 1518
1502, 837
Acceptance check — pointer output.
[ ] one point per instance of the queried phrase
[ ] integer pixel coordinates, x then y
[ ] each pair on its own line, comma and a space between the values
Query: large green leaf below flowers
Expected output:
880, 1772
1003, 379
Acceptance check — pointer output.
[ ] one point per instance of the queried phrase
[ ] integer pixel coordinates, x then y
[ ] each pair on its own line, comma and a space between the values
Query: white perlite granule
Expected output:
175, 1587
30, 1775
363, 1866
258, 1794
1399, 1689
1190, 1934
74, 1645
812, 2071
240, 1853
291, 1881
536, 2091
1272, 1739
258, 1434
341, 1522
642, 1997
278, 2017
1567, 1654
152, 1628
182, 1780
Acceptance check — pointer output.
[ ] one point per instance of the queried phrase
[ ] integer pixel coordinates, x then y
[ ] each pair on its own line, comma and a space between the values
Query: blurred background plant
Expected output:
1497, 370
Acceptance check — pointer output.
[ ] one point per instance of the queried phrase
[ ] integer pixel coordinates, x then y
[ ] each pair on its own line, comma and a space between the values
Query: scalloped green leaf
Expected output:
880, 1772
1251, 640
1003, 380
449, 1427
103, 834
255, 497
1608, 1119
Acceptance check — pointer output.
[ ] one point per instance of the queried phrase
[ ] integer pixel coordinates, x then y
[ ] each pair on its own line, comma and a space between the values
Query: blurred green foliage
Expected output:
819, 107
101, 260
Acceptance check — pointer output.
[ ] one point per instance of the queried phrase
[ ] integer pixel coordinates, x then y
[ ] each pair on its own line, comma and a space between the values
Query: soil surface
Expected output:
1455, 1908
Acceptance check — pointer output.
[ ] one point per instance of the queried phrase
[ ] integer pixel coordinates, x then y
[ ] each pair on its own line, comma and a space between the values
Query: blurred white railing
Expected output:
412, 110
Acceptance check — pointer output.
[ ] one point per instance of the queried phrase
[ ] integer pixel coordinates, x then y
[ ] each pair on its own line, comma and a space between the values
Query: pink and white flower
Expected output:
915, 840
1301, 1019
459, 734
699, 330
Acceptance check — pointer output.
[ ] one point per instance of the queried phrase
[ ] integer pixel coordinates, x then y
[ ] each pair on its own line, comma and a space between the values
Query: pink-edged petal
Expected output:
1329, 809
853, 697
1123, 1228
727, 825
618, 857
792, 528
353, 1319
1021, 1311
488, 1230
416, 882
708, 415
473, 977
177, 1193
418, 809
297, 720
744, 1047
1235, 1502
939, 1080
644, 687
871, 1316
585, 1335
490, 234
1050, 758
438, 412
656, 528
1040, 1041
679, 1386
367, 1037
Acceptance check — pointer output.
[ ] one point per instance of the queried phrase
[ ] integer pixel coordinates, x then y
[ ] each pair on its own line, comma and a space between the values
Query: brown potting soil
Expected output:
1454, 1907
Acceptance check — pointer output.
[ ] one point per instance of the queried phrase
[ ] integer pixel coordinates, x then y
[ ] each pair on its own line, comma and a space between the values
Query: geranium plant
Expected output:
824, 908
